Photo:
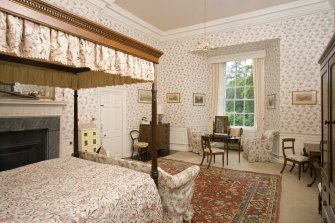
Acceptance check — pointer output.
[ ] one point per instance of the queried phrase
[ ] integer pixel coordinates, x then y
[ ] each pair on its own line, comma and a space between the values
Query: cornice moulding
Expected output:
272, 14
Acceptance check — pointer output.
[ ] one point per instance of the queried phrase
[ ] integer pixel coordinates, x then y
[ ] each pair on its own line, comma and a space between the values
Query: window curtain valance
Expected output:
23, 38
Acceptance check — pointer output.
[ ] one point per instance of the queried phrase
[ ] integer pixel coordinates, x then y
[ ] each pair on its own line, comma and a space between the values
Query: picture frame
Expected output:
144, 96
173, 97
198, 99
271, 101
304, 97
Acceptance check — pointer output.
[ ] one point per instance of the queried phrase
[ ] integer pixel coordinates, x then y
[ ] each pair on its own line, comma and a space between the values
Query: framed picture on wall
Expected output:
271, 101
304, 97
144, 96
198, 99
173, 97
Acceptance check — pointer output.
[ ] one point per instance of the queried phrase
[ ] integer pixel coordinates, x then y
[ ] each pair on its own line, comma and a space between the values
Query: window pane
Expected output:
239, 119
249, 92
240, 93
240, 79
249, 106
249, 120
229, 106
248, 69
239, 106
249, 81
240, 66
231, 67
230, 93
231, 118
230, 80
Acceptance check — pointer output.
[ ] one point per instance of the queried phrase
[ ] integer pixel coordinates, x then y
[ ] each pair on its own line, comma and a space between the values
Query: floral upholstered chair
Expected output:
259, 150
194, 139
176, 191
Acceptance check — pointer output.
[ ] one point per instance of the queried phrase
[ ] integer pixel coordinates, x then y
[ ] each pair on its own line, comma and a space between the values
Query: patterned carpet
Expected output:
224, 195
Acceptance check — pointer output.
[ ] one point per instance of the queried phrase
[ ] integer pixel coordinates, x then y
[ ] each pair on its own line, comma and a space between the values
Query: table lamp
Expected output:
160, 112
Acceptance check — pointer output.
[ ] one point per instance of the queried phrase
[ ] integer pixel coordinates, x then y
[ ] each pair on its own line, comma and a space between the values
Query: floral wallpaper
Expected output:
294, 63
292, 46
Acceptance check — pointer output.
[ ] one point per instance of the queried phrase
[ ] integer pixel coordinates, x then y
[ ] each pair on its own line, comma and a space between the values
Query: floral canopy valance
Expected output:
23, 38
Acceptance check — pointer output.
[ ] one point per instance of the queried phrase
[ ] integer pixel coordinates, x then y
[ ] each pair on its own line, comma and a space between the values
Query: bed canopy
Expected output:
43, 45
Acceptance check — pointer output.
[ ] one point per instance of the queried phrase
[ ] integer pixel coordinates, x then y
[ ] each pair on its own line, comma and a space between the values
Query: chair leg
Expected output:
285, 162
292, 167
299, 171
214, 158
203, 157
132, 153
222, 160
210, 160
303, 167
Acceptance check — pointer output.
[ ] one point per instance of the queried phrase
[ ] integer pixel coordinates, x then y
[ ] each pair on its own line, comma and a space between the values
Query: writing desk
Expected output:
226, 139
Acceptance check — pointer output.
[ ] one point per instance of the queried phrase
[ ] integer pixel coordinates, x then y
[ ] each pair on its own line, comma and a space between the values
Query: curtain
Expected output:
218, 76
258, 79
22, 38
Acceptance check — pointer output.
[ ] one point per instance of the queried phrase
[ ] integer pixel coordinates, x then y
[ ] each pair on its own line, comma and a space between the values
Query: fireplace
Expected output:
29, 132
19, 148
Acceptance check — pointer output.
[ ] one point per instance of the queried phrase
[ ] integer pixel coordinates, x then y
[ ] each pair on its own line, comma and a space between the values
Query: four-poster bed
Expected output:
34, 33
43, 45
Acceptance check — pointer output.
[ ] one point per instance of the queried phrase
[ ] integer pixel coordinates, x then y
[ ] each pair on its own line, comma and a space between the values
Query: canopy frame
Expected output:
48, 15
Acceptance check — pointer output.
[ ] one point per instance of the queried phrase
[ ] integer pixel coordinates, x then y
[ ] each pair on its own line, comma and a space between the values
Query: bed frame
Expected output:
48, 15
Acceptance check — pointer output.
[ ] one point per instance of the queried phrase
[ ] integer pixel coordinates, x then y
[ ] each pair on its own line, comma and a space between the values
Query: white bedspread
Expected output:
75, 190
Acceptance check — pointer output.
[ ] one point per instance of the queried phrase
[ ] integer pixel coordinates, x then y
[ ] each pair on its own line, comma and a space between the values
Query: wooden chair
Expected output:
141, 147
209, 151
288, 144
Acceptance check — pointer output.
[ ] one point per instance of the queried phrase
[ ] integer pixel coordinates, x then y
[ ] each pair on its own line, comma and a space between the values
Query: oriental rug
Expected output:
225, 195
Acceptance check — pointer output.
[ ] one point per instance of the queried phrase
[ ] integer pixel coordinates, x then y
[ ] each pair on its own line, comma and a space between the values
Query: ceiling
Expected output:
174, 14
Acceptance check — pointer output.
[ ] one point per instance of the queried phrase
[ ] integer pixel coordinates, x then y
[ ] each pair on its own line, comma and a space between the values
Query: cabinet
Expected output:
163, 137
327, 63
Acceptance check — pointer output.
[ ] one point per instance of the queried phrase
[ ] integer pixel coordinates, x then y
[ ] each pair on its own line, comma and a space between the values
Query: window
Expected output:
239, 101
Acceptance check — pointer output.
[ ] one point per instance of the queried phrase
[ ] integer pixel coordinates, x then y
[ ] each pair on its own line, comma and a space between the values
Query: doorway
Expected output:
113, 120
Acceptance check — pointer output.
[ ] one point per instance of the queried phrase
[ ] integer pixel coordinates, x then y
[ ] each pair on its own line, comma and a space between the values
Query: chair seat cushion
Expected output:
141, 145
214, 150
298, 158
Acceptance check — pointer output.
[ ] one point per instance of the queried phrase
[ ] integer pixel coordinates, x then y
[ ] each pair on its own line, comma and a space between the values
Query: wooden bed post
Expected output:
153, 152
75, 125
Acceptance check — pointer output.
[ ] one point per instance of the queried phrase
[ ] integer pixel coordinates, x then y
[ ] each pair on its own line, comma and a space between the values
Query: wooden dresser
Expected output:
163, 137
327, 63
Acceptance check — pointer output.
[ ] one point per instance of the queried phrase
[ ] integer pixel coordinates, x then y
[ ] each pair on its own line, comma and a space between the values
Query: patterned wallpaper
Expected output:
291, 65
295, 60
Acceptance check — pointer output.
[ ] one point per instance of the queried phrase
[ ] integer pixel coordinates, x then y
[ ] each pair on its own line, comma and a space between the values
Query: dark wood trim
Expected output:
75, 125
20, 60
153, 151
46, 14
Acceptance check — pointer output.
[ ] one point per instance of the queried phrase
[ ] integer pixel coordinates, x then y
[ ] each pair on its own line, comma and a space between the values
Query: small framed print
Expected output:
198, 99
173, 97
271, 101
144, 96
304, 97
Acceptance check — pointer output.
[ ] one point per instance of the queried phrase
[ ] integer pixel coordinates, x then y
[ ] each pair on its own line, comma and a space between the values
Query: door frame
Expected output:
123, 93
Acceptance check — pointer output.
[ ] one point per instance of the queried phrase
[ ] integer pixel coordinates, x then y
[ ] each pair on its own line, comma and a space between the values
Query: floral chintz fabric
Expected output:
259, 150
175, 191
76, 190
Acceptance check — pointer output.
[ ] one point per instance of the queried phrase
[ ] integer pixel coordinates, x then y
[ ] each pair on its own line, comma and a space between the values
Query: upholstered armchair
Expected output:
259, 150
194, 138
176, 190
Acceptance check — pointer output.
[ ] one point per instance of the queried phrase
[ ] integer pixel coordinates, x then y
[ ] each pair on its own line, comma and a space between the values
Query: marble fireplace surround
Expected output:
20, 115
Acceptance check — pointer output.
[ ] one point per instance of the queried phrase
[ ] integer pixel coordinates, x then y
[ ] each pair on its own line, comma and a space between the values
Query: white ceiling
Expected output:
174, 19
173, 14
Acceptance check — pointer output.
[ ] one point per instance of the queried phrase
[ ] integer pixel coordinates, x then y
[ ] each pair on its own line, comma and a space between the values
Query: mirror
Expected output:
221, 125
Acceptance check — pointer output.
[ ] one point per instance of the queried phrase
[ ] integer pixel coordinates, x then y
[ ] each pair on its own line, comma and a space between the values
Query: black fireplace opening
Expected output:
19, 148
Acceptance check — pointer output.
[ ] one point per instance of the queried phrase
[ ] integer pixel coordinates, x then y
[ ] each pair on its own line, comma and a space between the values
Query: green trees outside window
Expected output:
239, 102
